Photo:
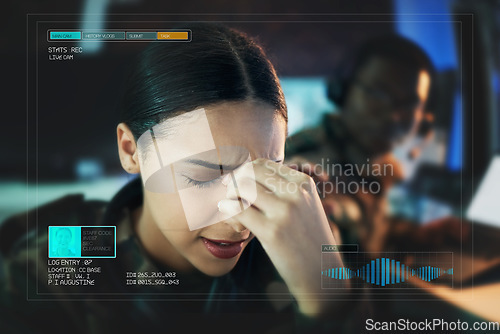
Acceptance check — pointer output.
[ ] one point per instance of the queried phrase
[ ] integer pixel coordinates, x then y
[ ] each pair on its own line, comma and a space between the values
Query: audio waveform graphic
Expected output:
386, 271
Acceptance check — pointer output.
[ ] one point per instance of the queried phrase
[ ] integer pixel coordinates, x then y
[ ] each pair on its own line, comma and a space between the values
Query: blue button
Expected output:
65, 35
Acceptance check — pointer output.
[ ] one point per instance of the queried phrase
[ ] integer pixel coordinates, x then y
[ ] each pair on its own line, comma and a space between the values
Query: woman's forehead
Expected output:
256, 128
247, 124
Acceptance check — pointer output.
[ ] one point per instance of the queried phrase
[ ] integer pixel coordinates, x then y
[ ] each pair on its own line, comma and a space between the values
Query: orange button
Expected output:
183, 35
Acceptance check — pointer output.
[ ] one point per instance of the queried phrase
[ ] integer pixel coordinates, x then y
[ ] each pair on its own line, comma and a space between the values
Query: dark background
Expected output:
76, 119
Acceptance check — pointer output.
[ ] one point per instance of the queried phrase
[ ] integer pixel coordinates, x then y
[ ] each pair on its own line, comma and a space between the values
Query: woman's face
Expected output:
63, 238
241, 131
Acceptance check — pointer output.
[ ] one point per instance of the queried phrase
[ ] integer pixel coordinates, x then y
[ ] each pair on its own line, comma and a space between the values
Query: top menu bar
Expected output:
117, 35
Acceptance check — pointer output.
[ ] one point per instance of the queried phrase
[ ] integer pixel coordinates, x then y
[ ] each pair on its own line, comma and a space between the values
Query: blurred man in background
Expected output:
381, 91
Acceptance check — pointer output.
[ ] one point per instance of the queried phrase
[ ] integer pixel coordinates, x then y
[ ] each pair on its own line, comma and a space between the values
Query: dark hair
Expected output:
219, 64
393, 47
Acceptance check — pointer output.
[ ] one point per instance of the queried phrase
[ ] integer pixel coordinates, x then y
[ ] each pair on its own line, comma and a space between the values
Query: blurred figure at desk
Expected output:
381, 91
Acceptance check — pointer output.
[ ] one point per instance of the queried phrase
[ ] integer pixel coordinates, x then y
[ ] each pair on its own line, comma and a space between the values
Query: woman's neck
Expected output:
62, 251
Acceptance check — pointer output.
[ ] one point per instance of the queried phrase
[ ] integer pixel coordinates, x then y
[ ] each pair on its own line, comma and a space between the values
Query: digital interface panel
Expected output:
293, 165
60, 46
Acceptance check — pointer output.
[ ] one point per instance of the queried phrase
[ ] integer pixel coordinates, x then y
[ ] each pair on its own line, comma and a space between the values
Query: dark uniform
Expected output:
252, 291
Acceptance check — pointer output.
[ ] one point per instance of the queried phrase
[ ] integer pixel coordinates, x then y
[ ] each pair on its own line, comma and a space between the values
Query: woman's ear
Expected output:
127, 149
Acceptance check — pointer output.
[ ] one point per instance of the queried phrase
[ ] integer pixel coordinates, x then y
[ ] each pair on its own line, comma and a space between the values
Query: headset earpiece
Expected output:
336, 90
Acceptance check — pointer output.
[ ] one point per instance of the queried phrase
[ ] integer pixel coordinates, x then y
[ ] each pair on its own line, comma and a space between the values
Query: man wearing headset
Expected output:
381, 92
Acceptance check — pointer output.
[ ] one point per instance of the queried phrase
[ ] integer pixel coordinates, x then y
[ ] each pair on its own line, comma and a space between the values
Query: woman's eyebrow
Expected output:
212, 165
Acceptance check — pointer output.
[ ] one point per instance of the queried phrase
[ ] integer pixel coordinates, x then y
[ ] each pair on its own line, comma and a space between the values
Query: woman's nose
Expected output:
236, 226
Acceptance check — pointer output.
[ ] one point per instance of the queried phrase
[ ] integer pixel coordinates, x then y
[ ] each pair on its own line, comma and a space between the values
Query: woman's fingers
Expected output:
287, 217
295, 183
251, 217
253, 193
275, 178
276, 191
314, 170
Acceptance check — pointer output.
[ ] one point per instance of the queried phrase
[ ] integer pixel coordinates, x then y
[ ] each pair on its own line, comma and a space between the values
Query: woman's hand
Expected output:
288, 219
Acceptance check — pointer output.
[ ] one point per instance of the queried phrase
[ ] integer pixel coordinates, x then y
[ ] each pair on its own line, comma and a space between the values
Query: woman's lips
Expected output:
223, 249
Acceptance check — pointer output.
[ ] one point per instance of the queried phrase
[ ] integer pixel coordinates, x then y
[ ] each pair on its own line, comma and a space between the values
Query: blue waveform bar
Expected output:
385, 271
